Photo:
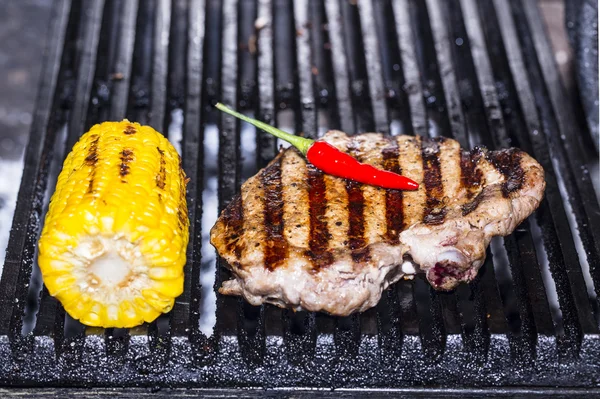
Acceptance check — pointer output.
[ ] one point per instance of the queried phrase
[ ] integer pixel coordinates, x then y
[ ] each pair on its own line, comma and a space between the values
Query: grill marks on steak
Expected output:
276, 248
319, 232
299, 238
435, 210
394, 212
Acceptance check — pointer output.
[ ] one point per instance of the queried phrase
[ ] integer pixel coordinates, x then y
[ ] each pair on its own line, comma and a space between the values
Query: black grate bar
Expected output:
92, 21
450, 312
247, 56
357, 67
176, 76
122, 67
410, 67
283, 45
160, 63
229, 148
117, 341
266, 143
440, 36
438, 18
426, 57
525, 341
418, 117
568, 150
432, 330
138, 104
89, 32
98, 108
307, 118
340, 68
475, 332
374, 72
506, 94
321, 54
184, 316
347, 329
557, 240
300, 342
86, 69
49, 305
525, 102
250, 319
394, 95
556, 151
493, 304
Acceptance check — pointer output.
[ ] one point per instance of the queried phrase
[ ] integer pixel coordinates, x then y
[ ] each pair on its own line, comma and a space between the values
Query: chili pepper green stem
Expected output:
301, 143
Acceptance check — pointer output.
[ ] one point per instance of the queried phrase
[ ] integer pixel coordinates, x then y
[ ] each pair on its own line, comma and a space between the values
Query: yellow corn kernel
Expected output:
113, 246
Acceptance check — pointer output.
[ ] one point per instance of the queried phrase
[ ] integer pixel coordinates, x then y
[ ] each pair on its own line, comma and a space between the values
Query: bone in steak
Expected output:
298, 238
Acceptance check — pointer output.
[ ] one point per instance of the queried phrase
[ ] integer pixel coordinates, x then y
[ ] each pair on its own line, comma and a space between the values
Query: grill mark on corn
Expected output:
182, 211
435, 210
356, 219
129, 130
411, 164
126, 158
319, 232
276, 247
394, 211
508, 163
471, 179
91, 160
161, 177
233, 219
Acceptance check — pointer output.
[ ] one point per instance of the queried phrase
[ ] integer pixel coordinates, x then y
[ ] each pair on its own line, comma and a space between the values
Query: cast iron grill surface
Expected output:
479, 71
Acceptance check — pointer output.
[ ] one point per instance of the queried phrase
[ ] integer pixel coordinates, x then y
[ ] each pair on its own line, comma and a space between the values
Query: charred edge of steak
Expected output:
508, 163
319, 233
471, 206
394, 207
233, 218
276, 246
435, 211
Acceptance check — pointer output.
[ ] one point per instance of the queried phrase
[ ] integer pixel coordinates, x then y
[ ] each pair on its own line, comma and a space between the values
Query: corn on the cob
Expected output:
113, 245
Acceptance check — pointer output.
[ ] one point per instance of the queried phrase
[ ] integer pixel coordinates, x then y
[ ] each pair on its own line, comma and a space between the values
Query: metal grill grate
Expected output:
479, 71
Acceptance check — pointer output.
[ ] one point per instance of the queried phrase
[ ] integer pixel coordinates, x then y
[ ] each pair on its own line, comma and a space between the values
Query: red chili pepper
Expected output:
332, 161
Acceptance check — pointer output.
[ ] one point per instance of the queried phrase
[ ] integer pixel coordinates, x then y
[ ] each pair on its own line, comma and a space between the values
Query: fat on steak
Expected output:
301, 239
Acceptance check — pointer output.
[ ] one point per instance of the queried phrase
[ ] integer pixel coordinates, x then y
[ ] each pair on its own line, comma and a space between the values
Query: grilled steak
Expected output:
300, 239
